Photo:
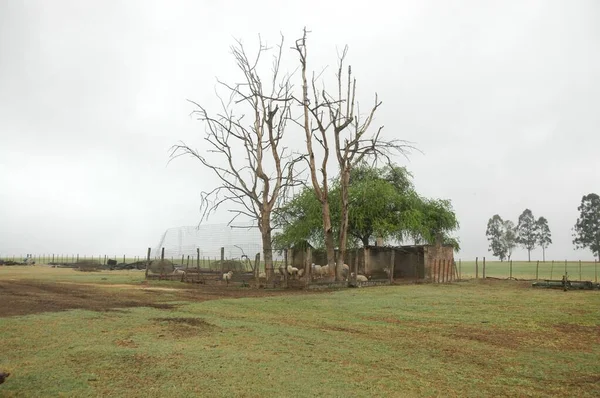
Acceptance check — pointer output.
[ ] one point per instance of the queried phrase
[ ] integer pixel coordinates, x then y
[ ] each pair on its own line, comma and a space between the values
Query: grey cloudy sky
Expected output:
503, 98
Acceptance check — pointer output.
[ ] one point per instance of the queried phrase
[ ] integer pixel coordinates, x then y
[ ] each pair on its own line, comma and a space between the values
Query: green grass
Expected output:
527, 270
472, 339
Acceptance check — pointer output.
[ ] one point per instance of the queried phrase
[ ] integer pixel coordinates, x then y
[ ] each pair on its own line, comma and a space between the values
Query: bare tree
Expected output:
247, 183
340, 117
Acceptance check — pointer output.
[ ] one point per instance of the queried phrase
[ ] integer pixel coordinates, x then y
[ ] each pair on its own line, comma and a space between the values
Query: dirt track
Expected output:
22, 297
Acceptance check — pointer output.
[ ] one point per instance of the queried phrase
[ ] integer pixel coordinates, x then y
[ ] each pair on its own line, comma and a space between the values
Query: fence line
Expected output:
439, 272
533, 270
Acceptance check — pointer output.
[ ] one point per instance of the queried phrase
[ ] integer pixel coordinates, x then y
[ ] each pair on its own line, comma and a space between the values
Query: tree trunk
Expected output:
529, 255
343, 238
265, 230
329, 241
365, 241
543, 254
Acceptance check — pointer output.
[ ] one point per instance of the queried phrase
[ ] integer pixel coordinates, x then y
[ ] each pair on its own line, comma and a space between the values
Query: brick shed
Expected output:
421, 262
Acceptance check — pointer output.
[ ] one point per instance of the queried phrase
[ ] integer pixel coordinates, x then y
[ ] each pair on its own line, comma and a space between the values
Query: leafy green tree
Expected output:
383, 203
502, 237
495, 234
438, 220
527, 231
544, 238
509, 238
586, 232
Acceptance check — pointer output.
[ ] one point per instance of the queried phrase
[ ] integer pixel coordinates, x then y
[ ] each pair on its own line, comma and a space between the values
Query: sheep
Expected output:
262, 275
316, 270
360, 278
345, 271
178, 271
324, 271
292, 270
300, 273
227, 276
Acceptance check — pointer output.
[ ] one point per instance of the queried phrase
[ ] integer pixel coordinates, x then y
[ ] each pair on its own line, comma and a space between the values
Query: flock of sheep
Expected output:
318, 272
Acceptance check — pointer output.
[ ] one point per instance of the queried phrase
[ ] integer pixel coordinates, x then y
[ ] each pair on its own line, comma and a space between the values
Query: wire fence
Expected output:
529, 270
465, 269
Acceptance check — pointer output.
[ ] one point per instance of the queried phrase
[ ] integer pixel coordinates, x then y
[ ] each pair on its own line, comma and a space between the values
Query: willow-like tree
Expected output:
254, 169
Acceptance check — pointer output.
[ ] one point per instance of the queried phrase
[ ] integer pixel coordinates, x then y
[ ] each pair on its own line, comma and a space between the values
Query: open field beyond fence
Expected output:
585, 270
111, 333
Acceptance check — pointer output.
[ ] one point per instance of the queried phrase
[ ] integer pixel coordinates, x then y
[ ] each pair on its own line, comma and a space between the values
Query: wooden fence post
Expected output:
566, 273
392, 266
256, 264
537, 269
484, 268
147, 262
198, 260
187, 265
52, 258
476, 267
162, 254
123, 259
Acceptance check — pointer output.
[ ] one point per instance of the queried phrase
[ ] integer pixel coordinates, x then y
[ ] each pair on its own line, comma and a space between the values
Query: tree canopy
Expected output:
383, 203
502, 237
586, 232
527, 233
544, 237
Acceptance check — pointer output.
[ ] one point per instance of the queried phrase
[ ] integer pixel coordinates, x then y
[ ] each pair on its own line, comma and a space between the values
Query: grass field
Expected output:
589, 271
66, 333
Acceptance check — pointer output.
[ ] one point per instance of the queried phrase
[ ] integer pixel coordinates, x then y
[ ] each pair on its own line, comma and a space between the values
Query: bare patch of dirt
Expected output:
22, 297
567, 337
185, 327
126, 343
326, 328
187, 321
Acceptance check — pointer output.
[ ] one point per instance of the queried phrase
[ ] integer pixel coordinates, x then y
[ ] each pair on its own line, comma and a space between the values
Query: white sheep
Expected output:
292, 270
316, 270
324, 271
227, 276
262, 275
360, 278
345, 271
300, 272
179, 271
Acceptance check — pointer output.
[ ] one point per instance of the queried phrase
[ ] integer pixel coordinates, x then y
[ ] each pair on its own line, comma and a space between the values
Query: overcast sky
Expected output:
503, 98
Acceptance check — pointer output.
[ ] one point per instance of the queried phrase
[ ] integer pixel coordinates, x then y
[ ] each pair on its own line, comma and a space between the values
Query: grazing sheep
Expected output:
292, 271
179, 271
227, 276
300, 272
262, 275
